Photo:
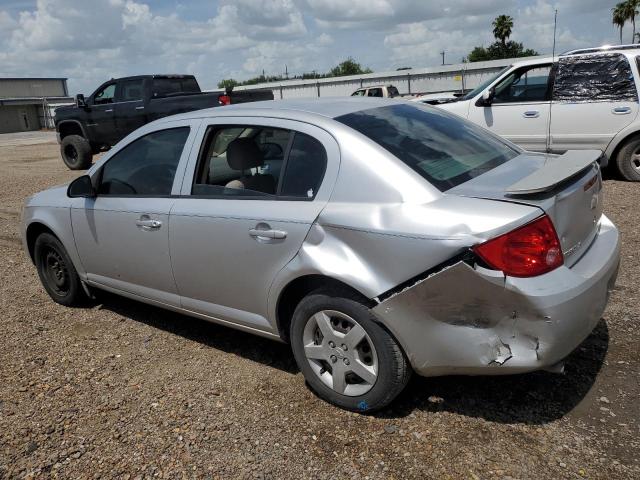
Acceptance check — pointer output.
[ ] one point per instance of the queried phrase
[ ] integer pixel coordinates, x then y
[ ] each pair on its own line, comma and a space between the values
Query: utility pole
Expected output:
286, 72
442, 53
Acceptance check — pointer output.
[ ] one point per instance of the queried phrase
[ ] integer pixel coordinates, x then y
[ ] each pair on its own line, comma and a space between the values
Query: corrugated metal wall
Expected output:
424, 80
18, 118
32, 87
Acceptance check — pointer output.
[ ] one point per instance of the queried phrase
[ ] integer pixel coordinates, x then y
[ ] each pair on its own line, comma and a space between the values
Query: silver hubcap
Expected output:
340, 353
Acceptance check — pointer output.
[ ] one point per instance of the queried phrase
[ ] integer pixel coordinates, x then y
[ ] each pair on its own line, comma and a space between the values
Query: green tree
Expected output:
498, 51
502, 27
629, 9
348, 67
619, 17
228, 83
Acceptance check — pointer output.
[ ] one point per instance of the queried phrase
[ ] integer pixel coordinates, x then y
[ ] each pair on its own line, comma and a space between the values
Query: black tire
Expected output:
56, 271
393, 369
76, 152
628, 160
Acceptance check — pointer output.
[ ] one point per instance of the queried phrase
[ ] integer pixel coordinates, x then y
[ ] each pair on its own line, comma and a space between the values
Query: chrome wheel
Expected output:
340, 353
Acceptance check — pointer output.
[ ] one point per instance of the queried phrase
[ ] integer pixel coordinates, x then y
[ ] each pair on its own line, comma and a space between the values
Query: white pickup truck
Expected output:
582, 100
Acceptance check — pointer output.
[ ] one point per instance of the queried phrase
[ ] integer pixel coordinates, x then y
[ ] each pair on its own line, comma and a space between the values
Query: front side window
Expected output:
105, 95
528, 84
358, 93
594, 78
259, 161
131, 90
442, 148
146, 166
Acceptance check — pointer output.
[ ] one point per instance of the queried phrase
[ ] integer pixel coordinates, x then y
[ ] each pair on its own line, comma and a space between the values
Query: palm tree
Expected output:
630, 10
619, 16
502, 26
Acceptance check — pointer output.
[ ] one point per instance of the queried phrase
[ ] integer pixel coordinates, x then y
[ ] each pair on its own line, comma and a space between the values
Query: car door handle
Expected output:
148, 224
621, 110
139, 108
110, 110
531, 114
270, 234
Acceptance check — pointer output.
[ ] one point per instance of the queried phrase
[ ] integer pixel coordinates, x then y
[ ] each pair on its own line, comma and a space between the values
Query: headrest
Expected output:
243, 153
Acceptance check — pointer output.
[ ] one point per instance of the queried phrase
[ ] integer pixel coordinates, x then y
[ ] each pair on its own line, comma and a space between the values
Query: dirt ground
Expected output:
124, 390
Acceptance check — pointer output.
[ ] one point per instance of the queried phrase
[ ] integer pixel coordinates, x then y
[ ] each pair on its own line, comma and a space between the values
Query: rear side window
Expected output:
146, 166
131, 90
168, 86
305, 167
393, 92
375, 92
445, 150
594, 78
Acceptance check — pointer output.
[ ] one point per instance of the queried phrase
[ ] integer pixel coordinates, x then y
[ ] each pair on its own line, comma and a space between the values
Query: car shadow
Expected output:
532, 398
258, 349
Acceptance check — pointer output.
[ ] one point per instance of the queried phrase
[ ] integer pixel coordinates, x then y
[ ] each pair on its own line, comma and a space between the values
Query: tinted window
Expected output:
393, 91
594, 78
305, 167
241, 160
131, 90
445, 150
358, 93
167, 86
524, 85
375, 92
146, 166
105, 95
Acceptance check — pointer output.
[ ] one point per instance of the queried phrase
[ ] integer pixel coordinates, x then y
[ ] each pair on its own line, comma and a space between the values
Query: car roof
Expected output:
584, 52
329, 107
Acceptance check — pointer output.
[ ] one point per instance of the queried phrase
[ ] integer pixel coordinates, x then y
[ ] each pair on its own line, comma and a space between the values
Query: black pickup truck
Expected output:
119, 106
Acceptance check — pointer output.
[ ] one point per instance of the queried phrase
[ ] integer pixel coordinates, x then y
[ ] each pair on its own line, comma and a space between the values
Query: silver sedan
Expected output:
377, 237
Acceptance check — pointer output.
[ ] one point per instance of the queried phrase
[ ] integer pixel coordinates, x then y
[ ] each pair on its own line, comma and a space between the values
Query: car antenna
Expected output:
553, 58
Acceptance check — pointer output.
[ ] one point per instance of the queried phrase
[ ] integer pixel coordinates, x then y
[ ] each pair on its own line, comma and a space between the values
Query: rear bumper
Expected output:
463, 320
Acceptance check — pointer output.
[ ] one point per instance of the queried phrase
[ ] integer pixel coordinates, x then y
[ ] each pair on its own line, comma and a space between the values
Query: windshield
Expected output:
484, 84
439, 146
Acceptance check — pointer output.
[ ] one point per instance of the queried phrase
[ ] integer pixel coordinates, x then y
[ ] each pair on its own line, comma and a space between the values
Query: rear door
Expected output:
594, 97
520, 108
238, 224
130, 111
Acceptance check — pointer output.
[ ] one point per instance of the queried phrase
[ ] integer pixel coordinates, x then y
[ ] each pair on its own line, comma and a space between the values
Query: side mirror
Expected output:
81, 187
487, 96
80, 101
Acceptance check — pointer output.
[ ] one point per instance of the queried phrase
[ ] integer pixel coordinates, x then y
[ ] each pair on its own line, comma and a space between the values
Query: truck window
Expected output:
167, 86
594, 78
528, 84
131, 90
105, 95
358, 93
375, 92
393, 92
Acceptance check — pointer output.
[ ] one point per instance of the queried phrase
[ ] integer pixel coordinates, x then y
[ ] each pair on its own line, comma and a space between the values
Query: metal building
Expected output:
28, 103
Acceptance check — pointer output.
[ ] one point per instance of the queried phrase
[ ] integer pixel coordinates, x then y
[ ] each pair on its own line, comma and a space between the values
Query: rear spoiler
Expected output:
556, 169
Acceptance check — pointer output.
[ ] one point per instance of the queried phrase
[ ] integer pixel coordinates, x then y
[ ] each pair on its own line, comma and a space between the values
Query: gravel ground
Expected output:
124, 390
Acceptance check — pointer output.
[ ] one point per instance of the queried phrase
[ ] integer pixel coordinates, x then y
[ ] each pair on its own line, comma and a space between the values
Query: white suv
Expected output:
581, 100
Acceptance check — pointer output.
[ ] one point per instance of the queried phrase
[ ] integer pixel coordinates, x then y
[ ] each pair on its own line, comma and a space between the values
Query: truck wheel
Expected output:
628, 160
76, 152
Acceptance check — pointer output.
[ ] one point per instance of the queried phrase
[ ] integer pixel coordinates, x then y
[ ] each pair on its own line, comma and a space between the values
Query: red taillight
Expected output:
224, 100
527, 251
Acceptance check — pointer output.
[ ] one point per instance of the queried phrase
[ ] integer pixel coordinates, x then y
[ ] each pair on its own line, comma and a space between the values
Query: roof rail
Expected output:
603, 48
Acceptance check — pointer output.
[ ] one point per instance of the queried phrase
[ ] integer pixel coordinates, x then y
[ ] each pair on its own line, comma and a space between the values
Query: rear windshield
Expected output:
445, 150
167, 86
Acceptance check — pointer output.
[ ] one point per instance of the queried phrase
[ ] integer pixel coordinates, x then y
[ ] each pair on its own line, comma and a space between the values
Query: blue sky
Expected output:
91, 41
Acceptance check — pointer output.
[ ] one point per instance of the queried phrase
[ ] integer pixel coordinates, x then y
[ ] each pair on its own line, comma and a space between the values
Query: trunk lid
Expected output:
568, 188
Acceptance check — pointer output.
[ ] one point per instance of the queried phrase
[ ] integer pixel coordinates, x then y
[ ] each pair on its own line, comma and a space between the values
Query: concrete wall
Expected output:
32, 87
18, 118
418, 80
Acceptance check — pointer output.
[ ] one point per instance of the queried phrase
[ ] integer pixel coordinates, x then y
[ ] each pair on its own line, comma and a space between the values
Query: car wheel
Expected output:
56, 271
76, 152
345, 355
628, 160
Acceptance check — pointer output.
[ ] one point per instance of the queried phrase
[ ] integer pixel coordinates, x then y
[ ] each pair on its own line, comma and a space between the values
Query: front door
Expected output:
594, 97
519, 110
122, 235
100, 115
256, 193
